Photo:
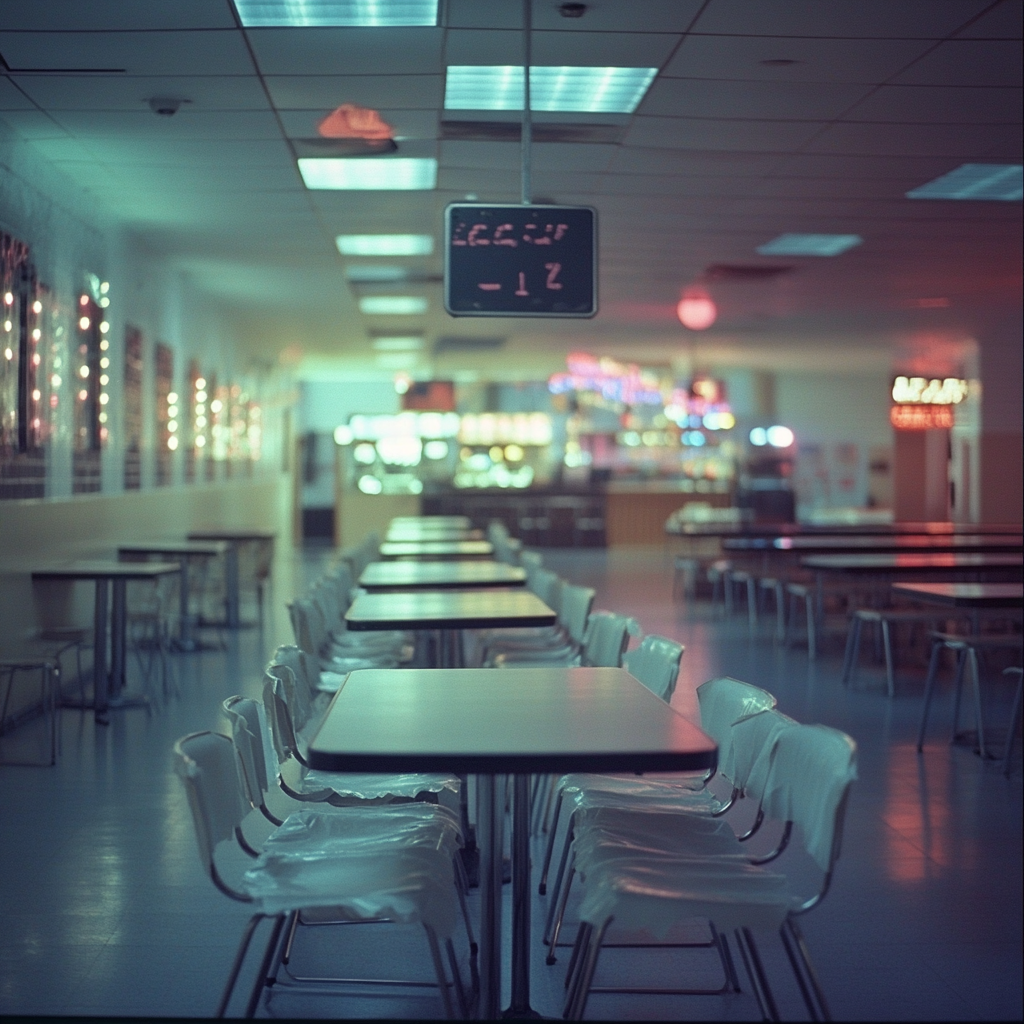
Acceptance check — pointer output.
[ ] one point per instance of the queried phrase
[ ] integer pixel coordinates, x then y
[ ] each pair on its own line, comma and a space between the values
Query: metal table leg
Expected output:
100, 683
489, 825
118, 651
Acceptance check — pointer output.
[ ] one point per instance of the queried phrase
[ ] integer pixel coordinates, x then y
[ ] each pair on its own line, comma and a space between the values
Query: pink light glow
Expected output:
696, 310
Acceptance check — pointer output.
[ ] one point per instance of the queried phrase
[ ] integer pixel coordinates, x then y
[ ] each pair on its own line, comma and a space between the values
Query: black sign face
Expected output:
520, 260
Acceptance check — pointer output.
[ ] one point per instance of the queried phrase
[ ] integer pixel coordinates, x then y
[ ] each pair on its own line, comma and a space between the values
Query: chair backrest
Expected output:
811, 772
307, 625
205, 762
547, 585
303, 666
724, 701
253, 746
287, 712
324, 594
752, 750
655, 662
574, 610
607, 637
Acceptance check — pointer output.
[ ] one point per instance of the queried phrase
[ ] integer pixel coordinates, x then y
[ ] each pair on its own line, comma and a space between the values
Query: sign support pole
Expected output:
526, 137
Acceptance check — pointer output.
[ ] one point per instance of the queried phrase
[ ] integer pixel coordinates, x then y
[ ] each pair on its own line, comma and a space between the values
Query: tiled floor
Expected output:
104, 909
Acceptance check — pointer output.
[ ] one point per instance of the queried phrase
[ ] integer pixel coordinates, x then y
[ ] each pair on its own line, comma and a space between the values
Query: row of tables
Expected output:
111, 578
484, 722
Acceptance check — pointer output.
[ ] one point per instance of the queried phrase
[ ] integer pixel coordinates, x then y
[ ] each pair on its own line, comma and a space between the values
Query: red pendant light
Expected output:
696, 310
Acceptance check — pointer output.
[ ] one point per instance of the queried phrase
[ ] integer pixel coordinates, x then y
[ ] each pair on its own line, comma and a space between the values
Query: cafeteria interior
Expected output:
252, 438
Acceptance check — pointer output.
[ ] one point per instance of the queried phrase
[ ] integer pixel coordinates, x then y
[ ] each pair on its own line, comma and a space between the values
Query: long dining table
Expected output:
454, 575
491, 723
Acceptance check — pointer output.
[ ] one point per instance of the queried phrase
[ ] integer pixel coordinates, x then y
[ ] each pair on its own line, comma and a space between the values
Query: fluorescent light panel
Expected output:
809, 245
584, 90
337, 13
397, 305
376, 275
385, 245
397, 343
998, 182
368, 173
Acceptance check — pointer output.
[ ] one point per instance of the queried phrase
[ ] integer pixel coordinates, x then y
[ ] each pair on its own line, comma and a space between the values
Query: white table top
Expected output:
454, 574
448, 609
488, 720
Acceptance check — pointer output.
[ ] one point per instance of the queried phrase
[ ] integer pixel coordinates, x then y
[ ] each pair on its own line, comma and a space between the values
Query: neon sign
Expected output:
921, 417
612, 380
922, 391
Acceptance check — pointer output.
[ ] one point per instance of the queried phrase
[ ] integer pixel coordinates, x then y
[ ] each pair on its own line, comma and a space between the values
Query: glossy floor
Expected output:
106, 912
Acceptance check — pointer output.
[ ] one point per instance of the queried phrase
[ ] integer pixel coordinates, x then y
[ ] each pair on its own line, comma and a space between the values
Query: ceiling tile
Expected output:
130, 92
216, 52
854, 19
968, 62
499, 155
495, 182
603, 49
397, 92
960, 141
186, 124
691, 186
195, 152
33, 124
361, 51
639, 160
940, 105
1002, 22
819, 60
693, 133
12, 98
107, 15
649, 15
856, 166
798, 101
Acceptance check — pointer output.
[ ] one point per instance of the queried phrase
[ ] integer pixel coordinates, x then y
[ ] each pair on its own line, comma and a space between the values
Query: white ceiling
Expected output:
724, 153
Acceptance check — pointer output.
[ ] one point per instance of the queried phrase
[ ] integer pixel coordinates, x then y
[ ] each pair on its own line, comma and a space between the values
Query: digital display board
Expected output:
516, 261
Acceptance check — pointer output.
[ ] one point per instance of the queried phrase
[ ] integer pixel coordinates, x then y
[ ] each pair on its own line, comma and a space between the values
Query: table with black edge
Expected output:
417, 575
940, 565
234, 539
107, 574
427, 531
437, 549
535, 720
819, 544
182, 550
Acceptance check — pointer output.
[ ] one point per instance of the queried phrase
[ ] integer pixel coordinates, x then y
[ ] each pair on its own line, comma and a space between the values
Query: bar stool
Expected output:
47, 664
884, 619
966, 647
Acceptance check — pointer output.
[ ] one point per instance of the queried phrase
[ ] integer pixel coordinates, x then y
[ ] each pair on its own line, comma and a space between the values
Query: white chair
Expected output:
291, 718
647, 808
360, 864
809, 779
655, 663
604, 643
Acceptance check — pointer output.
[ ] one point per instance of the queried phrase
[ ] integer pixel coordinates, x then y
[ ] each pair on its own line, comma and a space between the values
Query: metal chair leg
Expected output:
971, 656
542, 888
852, 651
929, 686
890, 665
1011, 734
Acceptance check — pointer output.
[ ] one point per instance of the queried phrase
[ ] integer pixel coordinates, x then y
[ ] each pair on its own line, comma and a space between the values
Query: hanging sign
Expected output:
538, 261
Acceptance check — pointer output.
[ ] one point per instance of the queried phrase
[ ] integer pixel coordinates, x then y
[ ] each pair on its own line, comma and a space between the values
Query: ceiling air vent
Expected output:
450, 343
509, 131
743, 272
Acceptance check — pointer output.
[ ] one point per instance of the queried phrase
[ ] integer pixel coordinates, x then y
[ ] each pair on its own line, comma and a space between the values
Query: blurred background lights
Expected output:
343, 435
365, 454
435, 450
696, 310
370, 485
780, 437
759, 436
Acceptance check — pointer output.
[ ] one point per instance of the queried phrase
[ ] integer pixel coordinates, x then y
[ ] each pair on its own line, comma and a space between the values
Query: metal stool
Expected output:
966, 647
884, 618
48, 666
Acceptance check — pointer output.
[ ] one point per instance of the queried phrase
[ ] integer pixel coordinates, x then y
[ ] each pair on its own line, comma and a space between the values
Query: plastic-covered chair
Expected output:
650, 808
604, 642
808, 784
361, 864
567, 636
291, 718
655, 663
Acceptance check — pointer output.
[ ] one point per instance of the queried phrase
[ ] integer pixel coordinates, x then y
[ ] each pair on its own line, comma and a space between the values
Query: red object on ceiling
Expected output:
696, 310
352, 122
921, 417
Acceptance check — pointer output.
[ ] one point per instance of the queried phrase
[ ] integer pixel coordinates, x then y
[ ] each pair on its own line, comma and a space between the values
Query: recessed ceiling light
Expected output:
976, 181
341, 13
375, 275
398, 305
809, 245
397, 360
385, 245
397, 343
369, 173
585, 90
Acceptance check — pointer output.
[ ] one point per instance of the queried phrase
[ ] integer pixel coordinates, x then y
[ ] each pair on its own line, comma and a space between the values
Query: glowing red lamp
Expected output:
696, 310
